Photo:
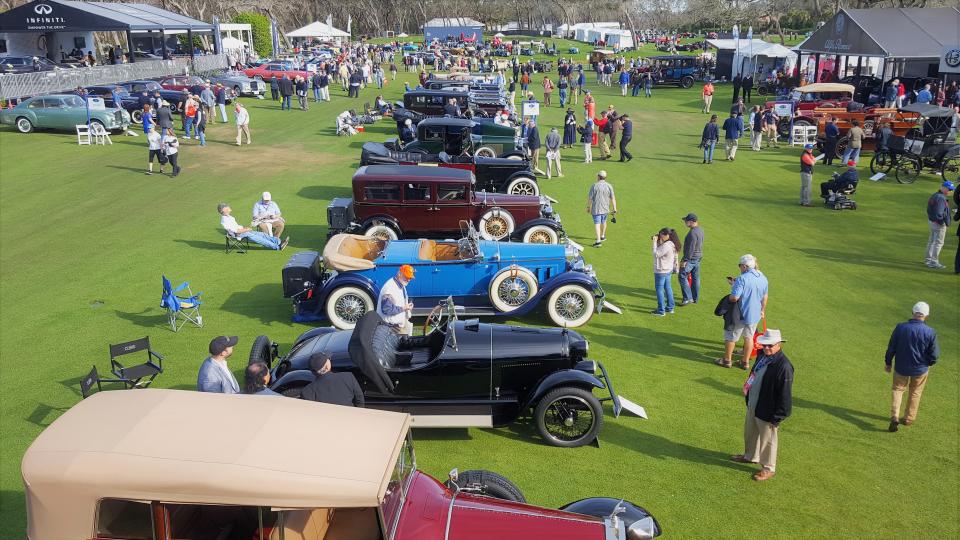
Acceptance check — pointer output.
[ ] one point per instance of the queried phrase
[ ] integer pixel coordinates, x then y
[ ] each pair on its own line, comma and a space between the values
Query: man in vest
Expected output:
394, 305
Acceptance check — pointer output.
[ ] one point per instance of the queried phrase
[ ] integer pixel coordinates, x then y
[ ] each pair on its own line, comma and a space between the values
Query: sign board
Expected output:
95, 103
783, 109
950, 59
531, 108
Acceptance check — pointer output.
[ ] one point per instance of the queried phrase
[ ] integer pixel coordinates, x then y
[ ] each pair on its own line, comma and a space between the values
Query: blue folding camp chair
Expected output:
181, 309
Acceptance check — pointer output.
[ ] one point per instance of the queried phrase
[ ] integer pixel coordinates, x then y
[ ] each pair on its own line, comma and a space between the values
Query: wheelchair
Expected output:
839, 199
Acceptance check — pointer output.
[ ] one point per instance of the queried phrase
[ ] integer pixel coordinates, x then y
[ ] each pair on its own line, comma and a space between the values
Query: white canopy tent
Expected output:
761, 57
319, 30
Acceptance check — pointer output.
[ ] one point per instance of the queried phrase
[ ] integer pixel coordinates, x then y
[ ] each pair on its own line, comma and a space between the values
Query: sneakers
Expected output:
935, 265
597, 244
686, 303
149, 172
894, 426
658, 313
284, 243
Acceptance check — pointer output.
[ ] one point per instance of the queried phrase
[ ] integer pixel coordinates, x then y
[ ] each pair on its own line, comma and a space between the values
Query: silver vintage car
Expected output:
239, 83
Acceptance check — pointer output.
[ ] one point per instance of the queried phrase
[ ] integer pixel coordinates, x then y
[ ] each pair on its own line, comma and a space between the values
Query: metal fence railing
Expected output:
19, 85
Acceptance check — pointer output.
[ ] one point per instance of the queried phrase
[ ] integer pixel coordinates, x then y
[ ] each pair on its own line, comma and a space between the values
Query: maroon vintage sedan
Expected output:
393, 201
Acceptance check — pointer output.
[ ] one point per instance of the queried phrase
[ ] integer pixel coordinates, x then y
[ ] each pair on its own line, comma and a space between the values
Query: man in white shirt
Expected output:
215, 375
266, 216
243, 122
229, 224
394, 305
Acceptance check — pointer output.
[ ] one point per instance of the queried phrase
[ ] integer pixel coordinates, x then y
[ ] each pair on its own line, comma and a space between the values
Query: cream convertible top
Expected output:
193, 447
346, 252
826, 87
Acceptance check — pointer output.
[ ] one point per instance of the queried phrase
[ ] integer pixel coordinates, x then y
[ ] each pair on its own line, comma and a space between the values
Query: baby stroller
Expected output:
839, 196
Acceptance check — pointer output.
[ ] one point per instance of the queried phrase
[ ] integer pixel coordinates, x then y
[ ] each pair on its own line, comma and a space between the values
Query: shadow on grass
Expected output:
324, 193
138, 170
264, 303
13, 509
859, 419
204, 244
442, 434
43, 415
861, 259
147, 318
761, 200
632, 339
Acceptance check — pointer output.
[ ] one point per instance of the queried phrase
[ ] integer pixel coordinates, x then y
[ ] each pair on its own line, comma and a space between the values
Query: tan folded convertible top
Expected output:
346, 252
192, 447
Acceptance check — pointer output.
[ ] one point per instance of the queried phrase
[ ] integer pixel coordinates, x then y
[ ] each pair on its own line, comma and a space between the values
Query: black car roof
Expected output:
672, 56
414, 173
447, 121
450, 93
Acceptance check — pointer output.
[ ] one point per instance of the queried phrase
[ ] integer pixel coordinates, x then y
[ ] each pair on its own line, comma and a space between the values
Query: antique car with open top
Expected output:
159, 471
459, 373
503, 175
407, 201
485, 278
461, 136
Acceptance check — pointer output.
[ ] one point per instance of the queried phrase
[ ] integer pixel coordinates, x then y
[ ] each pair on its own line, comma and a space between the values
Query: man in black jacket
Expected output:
333, 388
768, 393
286, 90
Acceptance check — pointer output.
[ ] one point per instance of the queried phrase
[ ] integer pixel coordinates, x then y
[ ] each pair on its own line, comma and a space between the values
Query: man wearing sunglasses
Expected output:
768, 393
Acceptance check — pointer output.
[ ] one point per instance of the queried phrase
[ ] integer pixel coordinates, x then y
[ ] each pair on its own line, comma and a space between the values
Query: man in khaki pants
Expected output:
913, 346
769, 395
243, 122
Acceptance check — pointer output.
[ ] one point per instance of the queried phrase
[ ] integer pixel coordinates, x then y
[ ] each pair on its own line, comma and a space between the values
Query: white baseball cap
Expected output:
922, 308
266, 196
749, 261
602, 174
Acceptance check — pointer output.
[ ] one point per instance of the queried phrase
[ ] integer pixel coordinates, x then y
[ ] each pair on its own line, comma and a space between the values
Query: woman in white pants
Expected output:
586, 137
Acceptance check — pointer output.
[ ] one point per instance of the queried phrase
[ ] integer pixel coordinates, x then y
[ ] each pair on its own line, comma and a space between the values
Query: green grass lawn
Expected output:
85, 237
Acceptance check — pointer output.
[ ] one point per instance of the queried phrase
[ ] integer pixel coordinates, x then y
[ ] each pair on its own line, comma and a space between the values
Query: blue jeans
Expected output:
188, 125
708, 150
851, 153
636, 90
648, 91
265, 240
664, 292
563, 97
285, 104
203, 137
692, 269
316, 93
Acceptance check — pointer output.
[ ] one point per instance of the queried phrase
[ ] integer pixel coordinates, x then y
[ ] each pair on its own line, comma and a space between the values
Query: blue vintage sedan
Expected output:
484, 278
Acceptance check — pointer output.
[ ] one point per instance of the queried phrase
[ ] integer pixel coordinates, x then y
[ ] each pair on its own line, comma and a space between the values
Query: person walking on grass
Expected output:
200, 125
666, 245
768, 393
220, 95
243, 122
807, 162
854, 143
301, 89
749, 292
912, 349
553, 153
689, 274
938, 216
600, 203
624, 81
709, 138
586, 138
831, 134
171, 149
756, 129
707, 95
547, 91
569, 129
155, 146
626, 135
648, 84
732, 129
533, 143
286, 92
770, 122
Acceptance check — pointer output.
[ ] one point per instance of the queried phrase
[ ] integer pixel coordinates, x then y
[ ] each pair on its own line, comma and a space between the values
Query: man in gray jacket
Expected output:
938, 214
215, 375
690, 263
553, 152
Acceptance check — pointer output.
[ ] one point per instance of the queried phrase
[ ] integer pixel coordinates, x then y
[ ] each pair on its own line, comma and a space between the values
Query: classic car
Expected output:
431, 102
128, 102
411, 47
173, 97
239, 83
599, 55
820, 95
504, 175
680, 70
463, 85
277, 70
62, 111
454, 376
485, 277
27, 64
461, 136
184, 82
393, 201
167, 472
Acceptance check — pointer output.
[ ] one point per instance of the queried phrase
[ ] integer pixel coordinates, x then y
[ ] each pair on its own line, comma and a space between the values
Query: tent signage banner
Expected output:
842, 36
950, 59
47, 17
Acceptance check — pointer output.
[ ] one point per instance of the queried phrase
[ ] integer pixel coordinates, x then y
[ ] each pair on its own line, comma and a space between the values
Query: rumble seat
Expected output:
430, 250
346, 252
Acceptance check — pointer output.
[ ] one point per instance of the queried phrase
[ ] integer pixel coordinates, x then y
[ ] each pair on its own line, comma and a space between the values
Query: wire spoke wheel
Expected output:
951, 169
570, 305
540, 237
881, 162
496, 227
350, 308
568, 418
514, 291
908, 169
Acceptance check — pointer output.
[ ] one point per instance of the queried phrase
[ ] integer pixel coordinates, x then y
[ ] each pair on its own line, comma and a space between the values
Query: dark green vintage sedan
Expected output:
460, 136
63, 112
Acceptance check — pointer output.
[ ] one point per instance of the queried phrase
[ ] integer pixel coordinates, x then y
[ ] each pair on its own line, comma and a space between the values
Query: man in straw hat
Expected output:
768, 393
913, 347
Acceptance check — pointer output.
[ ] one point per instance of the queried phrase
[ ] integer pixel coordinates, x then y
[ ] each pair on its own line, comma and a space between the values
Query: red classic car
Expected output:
277, 70
391, 201
281, 469
183, 82
819, 95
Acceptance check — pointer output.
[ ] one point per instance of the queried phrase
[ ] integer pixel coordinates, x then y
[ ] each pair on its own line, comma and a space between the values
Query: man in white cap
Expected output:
769, 395
749, 292
913, 348
266, 215
600, 202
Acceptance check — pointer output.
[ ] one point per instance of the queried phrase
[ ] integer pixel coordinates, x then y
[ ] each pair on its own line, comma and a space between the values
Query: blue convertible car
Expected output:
483, 277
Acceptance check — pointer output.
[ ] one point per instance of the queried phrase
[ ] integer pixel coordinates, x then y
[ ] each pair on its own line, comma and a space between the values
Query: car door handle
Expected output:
435, 270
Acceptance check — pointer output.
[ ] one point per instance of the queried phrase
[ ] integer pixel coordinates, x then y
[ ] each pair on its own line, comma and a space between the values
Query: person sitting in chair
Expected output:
229, 223
840, 182
266, 216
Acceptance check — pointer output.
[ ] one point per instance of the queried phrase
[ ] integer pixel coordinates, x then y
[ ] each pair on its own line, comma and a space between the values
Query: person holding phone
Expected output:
666, 245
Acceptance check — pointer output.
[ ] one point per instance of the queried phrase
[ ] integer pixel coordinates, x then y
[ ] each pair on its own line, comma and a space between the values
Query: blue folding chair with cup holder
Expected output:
181, 309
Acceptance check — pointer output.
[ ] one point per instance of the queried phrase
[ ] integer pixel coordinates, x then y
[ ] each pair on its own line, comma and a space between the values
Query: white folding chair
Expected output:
83, 134
100, 134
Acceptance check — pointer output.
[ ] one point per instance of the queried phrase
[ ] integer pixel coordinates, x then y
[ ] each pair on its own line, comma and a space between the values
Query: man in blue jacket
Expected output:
733, 129
938, 214
913, 347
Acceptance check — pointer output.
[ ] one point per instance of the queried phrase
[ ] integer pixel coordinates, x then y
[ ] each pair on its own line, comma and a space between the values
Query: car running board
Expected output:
452, 421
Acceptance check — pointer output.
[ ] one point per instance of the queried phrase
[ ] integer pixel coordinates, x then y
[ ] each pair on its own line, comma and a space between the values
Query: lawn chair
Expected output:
93, 379
232, 242
140, 375
83, 134
100, 134
181, 309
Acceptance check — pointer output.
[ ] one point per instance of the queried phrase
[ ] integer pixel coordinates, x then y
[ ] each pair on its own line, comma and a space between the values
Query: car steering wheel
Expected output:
433, 321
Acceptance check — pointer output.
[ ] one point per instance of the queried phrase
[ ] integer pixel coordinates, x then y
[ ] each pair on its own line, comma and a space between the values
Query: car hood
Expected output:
509, 251
504, 199
333, 343
484, 517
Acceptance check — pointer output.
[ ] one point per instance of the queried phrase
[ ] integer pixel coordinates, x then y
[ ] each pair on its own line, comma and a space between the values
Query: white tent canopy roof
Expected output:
731, 44
772, 50
318, 29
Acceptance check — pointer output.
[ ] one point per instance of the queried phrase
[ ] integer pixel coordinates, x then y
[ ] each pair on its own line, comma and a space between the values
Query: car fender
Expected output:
313, 333
347, 279
566, 377
522, 172
290, 379
552, 223
386, 219
570, 277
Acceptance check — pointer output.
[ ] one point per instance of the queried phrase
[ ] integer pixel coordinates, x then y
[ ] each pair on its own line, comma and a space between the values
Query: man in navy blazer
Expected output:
215, 375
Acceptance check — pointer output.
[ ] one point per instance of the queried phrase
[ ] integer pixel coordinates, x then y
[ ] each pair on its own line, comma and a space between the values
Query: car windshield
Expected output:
398, 487
73, 101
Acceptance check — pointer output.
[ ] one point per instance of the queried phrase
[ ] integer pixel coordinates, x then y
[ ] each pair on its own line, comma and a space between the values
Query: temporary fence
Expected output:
19, 85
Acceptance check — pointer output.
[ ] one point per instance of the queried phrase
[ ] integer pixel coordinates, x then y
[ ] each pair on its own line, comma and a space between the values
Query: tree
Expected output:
260, 26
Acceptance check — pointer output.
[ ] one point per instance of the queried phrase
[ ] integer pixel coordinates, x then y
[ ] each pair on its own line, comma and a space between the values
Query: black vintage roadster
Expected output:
459, 373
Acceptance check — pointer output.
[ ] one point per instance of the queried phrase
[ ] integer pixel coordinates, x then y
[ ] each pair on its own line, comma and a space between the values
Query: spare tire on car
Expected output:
260, 351
489, 484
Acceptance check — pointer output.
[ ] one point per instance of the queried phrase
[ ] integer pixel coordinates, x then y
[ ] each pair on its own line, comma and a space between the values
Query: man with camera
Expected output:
601, 202
266, 216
